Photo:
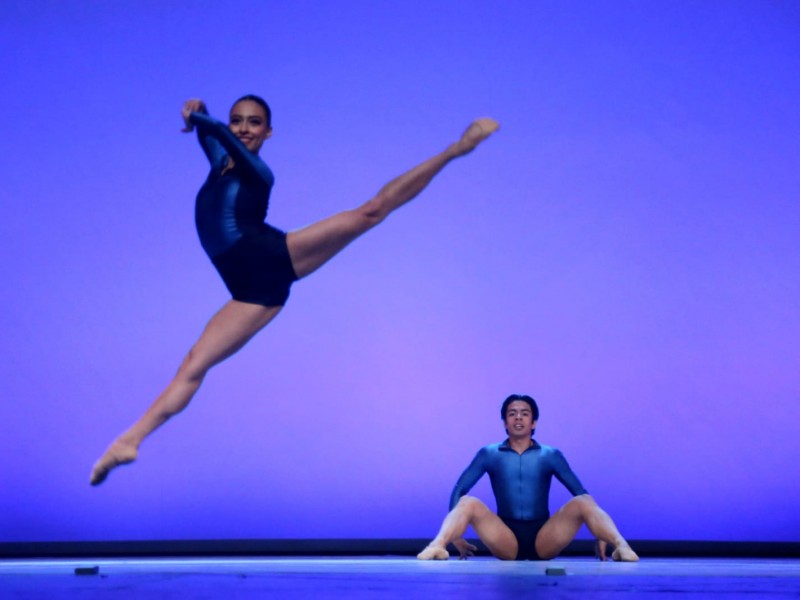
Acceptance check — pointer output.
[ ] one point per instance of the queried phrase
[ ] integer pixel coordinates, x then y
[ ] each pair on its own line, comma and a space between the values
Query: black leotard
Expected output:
251, 256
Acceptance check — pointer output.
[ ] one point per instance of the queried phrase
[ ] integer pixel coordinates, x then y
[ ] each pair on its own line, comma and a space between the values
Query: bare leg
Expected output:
499, 539
313, 246
562, 527
226, 333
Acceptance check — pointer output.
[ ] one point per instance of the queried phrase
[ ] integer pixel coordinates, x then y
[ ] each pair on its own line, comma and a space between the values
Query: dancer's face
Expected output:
519, 419
248, 122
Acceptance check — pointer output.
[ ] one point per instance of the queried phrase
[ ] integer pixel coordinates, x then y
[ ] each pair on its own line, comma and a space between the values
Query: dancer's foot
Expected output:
433, 553
118, 453
624, 553
479, 130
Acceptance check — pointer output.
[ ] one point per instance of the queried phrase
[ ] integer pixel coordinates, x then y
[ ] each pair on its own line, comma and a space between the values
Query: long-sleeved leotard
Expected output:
520, 482
521, 486
250, 255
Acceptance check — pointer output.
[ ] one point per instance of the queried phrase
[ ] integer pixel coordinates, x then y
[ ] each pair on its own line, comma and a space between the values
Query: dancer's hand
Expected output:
600, 549
190, 106
465, 549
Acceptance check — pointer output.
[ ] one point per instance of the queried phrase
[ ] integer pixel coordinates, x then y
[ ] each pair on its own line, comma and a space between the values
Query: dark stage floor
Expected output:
399, 577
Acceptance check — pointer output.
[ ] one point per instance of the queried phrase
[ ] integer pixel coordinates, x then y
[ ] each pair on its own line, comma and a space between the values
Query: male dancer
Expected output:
521, 470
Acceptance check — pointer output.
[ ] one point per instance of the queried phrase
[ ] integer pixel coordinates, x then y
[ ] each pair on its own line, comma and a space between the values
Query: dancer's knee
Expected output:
581, 505
471, 506
373, 211
193, 369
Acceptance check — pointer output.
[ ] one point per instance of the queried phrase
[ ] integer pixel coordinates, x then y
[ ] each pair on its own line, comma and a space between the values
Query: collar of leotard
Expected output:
534, 445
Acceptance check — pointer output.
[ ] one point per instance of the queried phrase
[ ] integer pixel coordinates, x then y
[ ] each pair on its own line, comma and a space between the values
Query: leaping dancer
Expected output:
258, 262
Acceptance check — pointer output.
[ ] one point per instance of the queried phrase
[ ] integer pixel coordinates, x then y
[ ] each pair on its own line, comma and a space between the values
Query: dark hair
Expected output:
261, 102
519, 397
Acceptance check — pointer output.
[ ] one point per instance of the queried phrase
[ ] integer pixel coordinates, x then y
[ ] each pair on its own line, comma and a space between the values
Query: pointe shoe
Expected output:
433, 553
117, 454
624, 554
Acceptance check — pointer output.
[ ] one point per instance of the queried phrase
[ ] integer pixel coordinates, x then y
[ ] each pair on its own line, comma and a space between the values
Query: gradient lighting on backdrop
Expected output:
625, 250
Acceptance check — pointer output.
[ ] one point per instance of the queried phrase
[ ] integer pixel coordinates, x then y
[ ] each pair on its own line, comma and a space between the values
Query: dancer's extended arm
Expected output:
465, 482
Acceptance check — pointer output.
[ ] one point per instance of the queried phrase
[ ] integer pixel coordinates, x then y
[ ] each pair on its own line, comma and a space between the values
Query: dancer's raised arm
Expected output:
190, 106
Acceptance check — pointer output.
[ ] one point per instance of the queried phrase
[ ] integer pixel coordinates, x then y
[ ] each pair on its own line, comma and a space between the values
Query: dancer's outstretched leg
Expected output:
313, 246
225, 334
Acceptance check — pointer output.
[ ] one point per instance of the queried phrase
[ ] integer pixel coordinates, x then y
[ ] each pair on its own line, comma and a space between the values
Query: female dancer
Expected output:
257, 262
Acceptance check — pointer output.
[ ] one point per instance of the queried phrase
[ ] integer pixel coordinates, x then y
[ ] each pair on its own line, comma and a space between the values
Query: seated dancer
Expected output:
520, 470
257, 262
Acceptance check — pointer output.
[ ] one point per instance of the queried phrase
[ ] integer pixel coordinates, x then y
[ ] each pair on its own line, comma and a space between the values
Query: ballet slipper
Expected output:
479, 130
119, 453
433, 553
624, 554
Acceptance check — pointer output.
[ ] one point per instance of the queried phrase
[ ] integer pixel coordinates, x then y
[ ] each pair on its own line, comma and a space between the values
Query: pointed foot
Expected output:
119, 453
479, 130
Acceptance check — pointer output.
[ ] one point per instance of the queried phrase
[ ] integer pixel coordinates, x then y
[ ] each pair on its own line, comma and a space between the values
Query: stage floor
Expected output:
399, 577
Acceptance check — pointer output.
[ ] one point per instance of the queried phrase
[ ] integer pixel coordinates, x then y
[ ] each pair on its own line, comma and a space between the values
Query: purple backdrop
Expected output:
625, 250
